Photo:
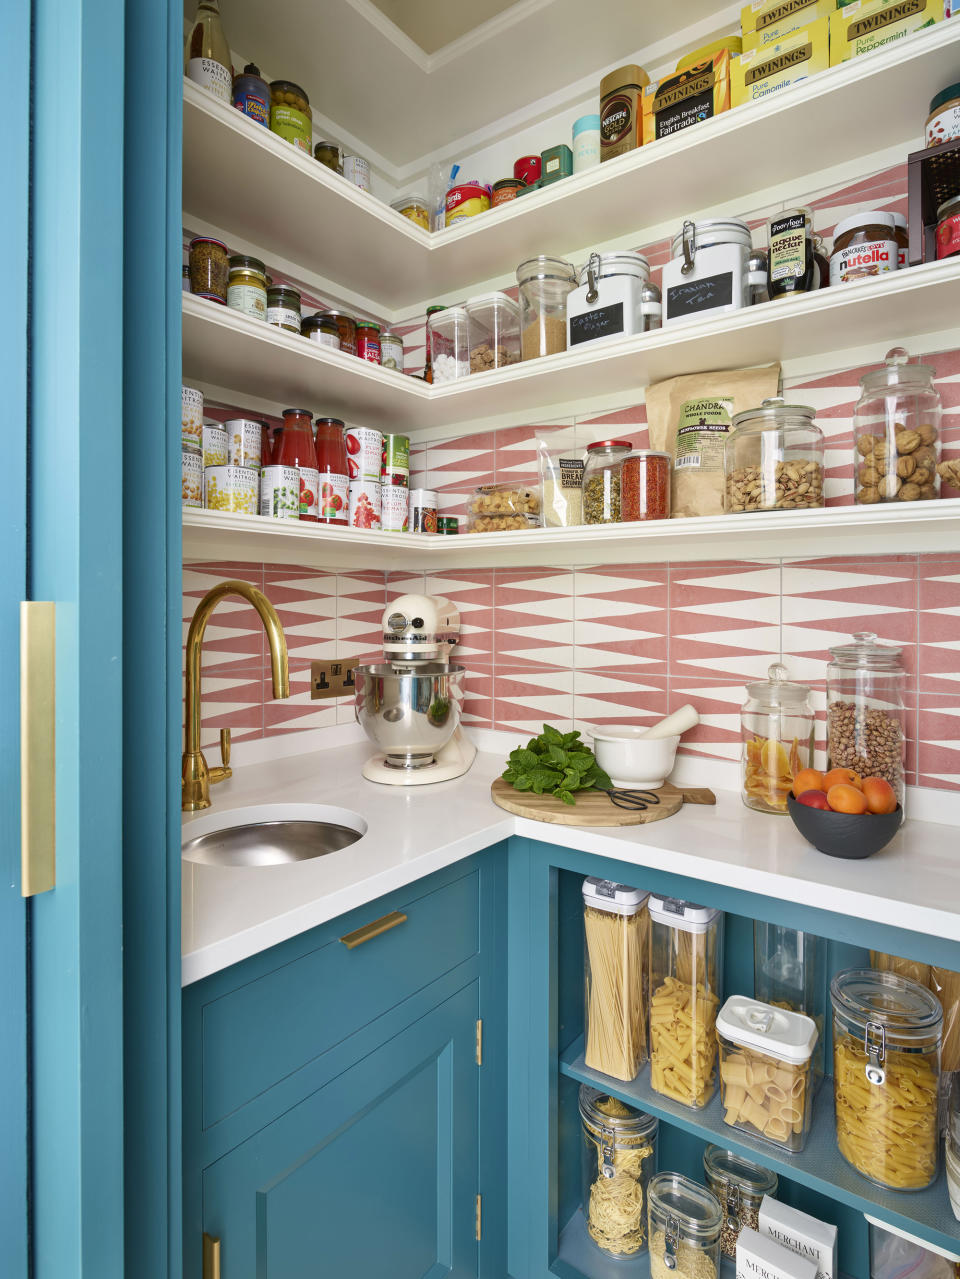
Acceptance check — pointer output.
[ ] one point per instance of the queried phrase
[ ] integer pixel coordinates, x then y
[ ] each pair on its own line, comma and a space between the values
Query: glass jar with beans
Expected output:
602, 481
740, 1186
866, 717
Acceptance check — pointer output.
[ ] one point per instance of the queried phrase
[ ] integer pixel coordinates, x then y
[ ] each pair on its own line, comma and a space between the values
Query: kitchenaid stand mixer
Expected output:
409, 704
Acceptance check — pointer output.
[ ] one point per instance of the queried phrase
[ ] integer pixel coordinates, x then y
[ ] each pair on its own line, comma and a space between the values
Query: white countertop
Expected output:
230, 914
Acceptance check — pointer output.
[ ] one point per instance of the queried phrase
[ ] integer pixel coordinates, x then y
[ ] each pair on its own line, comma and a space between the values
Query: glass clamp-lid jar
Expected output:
684, 1223
739, 1186
616, 930
866, 716
494, 332
601, 481
886, 1076
619, 1154
773, 459
896, 432
608, 301
545, 284
707, 271
448, 341
777, 733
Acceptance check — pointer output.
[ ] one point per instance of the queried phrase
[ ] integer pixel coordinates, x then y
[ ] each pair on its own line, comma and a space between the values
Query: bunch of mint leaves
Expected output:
555, 763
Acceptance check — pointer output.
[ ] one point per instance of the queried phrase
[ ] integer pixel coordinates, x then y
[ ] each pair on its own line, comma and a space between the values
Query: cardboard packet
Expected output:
866, 25
768, 22
809, 1236
759, 1257
697, 94
761, 72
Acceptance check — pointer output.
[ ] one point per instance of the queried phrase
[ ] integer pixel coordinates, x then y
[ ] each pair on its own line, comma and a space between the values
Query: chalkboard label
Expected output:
692, 296
605, 322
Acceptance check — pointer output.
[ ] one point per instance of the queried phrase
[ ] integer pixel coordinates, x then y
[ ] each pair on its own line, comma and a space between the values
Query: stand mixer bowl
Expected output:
409, 710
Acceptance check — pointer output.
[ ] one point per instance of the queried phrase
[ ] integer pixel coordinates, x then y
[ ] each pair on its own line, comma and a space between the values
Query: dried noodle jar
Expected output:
602, 480
616, 929
896, 432
544, 286
777, 734
685, 1220
886, 1076
739, 1186
645, 486
773, 459
866, 715
619, 1156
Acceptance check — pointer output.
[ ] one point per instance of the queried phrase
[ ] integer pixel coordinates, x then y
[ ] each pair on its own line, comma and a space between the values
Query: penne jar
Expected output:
616, 929
740, 1186
619, 1156
790, 971
886, 1076
684, 1223
685, 971
765, 1070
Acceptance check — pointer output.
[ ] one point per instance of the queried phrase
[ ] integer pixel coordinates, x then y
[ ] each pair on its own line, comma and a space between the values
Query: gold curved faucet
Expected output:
196, 776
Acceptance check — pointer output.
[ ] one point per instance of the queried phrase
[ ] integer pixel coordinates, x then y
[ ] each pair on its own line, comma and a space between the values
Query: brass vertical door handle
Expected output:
38, 763
211, 1256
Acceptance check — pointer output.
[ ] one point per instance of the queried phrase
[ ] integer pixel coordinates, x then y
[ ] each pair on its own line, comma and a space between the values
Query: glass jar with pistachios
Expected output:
896, 433
601, 481
773, 459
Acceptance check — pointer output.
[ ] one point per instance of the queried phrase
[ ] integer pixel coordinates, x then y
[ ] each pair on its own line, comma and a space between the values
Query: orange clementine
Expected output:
807, 779
841, 776
879, 794
844, 798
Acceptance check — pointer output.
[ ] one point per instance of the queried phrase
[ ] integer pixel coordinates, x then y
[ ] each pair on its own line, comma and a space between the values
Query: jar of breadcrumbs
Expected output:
544, 286
896, 432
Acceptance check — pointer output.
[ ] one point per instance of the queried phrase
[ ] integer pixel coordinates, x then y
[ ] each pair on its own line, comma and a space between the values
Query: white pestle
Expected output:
675, 724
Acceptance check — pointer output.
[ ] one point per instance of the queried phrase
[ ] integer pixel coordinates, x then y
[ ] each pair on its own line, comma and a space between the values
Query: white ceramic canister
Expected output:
608, 302
191, 418
244, 442
423, 511
215, 445
192, 477
365, 504
231, 488
364, 452
357, 171
707, 271
280, 492
394, 508
586, 142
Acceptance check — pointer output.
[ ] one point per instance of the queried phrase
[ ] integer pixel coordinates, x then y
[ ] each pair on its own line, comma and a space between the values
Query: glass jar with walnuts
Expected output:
896, 433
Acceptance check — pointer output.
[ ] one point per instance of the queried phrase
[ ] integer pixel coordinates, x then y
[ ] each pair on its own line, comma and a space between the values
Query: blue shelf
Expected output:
924, 1213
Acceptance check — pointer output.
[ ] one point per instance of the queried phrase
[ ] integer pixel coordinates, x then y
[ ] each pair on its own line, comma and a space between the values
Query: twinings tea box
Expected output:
763, 71
813, 1239
759, 1257
767, 22
866, 25
696, 94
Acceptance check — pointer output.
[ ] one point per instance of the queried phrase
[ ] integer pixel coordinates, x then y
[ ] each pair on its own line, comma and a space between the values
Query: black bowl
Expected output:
851, 835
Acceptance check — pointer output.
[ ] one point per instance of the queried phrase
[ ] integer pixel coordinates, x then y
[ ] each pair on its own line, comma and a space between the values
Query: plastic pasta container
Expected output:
619, 1156
685, 965
952, 1146
616, 929
740, 1187
494, 332
790, 971
886, 1076
765, 1056
684, 1222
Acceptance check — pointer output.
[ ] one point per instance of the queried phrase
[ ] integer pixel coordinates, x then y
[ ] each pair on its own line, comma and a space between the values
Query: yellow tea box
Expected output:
768, 22
696, 94
761, 72
866, 25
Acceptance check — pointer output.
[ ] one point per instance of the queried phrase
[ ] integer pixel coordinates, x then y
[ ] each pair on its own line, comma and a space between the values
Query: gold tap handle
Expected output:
220, 773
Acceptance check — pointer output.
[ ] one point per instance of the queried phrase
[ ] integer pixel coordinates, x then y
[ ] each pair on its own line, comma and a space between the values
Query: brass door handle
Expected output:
211, 1256
374, 929
38, 762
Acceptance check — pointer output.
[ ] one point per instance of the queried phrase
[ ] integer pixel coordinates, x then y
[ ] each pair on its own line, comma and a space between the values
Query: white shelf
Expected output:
847, 530
224, 349
239, 176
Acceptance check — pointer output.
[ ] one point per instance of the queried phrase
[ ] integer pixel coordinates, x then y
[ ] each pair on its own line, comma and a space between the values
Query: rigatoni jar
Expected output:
790, 971
619, 1156
616, 930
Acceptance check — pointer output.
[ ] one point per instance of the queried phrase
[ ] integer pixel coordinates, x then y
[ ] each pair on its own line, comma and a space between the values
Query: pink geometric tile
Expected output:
526, 698
718, 703
517, 455
456, 467
361, 598
533, 615
624, 697
234, 634
307, 604
724, 620
297, 712
235, 703
621, 618
938, 741
478, 695
629, 424
471, 590
939, 626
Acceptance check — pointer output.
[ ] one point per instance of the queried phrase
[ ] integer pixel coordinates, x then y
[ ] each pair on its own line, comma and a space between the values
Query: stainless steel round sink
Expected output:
270, 836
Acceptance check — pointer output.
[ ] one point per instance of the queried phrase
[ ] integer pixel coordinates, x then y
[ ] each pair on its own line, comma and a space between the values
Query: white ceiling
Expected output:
402, 103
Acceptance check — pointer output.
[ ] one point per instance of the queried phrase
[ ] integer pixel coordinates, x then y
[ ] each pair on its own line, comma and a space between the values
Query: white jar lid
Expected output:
686, 916
626, 262
449, 314
712, 231
875, 217
776, 1032
617, 899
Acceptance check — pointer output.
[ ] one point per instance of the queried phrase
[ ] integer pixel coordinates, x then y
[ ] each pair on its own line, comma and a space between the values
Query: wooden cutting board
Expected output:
594, 808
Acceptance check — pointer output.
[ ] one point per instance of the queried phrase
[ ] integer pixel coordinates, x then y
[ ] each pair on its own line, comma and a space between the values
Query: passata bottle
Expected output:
297, 449
206, 58
332, 469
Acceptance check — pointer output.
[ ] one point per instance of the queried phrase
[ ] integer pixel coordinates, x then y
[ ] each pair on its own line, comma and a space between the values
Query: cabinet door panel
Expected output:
373, 1175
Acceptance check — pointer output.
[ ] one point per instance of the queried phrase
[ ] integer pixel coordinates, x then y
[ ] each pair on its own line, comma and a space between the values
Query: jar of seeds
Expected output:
740, 1186
866, 717
601, 481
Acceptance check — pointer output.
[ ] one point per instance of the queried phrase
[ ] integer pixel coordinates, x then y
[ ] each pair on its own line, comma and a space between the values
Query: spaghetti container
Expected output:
684, 1223
616, 929
619, 1154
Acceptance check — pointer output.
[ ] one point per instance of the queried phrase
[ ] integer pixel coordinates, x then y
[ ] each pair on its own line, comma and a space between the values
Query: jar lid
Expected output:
631, 74
318, 320
712, 231
945, 95
773, 413
544, 268
340, 315
670, 1194
492, 299
601, 1112
866, 652
626, 262
728, 1168
206, 239
686, 916
615, 899
949, 206
280, 290
240, 262
586, 124
288, 86
251, 69
775, 1032
368, 324
777, 690
298, 413
454, 313
900, 221
329, 421
608, 444
651, 453
405, 201
509, 184
869, 217
904, 1008
436, 306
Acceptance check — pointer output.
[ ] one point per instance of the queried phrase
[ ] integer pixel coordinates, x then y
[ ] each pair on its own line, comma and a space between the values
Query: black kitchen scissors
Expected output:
637, 800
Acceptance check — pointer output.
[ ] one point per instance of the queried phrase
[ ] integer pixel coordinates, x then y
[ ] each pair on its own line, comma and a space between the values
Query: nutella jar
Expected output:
864, 245
903, 240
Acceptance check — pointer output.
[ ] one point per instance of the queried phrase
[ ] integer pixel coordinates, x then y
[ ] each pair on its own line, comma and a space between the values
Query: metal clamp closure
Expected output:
689, 246
875, 1045
671, 1243
607, 1152
733, 1206
593, 275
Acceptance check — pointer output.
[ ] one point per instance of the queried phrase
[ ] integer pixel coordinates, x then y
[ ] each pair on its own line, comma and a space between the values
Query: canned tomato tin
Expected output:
448, 524
231, 488
948, 228
244, 440
394, 509
505, 190
280, 492
368, 341
528, 169
364, 504
423, 511
395, 460
364, 452
334, 498
214, 445
357, 171
467, 201
191, 418
192, 477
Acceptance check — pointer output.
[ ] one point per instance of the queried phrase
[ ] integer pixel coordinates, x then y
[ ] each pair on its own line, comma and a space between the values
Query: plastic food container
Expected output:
231, 488
684, 1222
739, 1186
414, 207
866, 715
765, 1073
773, 460
290, 114
790, 971
886, 1076
895, 1253
494, 329
608, 302
777, 725
645, 486
686, 943
448, 339
601, 481
209, 269
616, 930
619, 1156
501, 508
544, 286
896, 432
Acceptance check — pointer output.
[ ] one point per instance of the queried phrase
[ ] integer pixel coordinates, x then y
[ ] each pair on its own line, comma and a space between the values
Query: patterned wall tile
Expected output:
724, 620
620, 619
624, 696
939, 626
456, 467
534, 617
525, 698
307, 603
938, 741
233, 640
718, 702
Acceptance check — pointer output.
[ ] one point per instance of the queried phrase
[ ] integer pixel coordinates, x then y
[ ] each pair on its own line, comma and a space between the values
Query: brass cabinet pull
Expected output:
383, 925
38, 766
211, 1256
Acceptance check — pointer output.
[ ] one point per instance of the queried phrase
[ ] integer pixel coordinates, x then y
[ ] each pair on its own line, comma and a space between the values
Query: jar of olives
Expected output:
601, 481
290, 114
329, 153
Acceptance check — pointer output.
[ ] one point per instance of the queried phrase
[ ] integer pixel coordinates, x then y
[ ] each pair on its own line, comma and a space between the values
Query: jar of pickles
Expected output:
886, 1076
777, 735
619, 1156
739, 1186
684, 1223
773, 459
601, 481
290, 114
330, 155
896, 432
866, 716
